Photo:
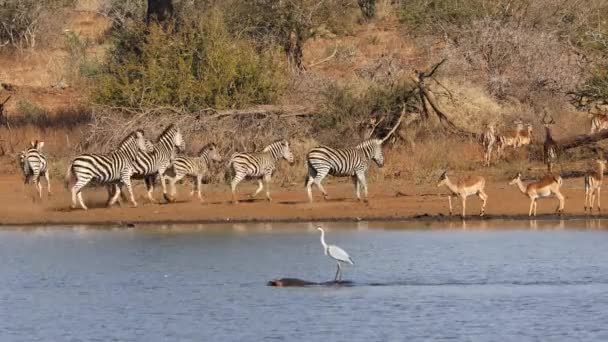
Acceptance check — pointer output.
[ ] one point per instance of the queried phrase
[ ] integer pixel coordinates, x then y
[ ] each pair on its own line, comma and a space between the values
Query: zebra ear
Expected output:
33, 143
39, 145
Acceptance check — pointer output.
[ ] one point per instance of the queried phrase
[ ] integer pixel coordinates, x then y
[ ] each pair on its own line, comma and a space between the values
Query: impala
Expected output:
512, 137
488, 140
463, 188
593, 183
525, 136
547, 186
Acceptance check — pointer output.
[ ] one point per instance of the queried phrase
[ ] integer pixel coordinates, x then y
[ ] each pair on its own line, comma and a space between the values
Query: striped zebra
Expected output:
488, 140
258, 165
34, 165
149, 165
195, 167
345, 162
111, 168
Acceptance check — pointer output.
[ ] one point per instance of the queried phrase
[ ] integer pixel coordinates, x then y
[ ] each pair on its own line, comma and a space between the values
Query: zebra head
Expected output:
373, 150
140, 141
211, 151
280, 149
173, 136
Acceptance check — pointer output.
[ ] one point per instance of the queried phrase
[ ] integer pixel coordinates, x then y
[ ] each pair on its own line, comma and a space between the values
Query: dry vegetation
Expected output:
82, 73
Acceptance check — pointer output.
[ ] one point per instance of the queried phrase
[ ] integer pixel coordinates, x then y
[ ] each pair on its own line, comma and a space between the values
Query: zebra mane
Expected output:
368, 142
129, 137
167, 130
269, 146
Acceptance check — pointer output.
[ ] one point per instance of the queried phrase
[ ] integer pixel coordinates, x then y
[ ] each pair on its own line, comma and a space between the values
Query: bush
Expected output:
193, 64
20, 20
345, 108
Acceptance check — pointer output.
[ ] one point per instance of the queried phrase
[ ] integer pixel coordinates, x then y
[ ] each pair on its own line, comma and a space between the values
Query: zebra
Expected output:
34, 165
114, 167
195, 167
345, 162
258, 165
149, 165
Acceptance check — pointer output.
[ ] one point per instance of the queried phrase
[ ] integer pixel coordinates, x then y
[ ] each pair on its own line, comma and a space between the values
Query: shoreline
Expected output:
390, 201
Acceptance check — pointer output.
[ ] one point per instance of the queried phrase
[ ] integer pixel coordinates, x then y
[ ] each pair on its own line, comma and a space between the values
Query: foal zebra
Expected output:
195, 167
34, 165
258, 165
115, 167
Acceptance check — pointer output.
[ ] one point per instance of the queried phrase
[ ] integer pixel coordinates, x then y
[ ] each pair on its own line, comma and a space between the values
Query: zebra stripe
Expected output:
115, 167
194, 167
259, 166
34, 165
149, 165
347, 162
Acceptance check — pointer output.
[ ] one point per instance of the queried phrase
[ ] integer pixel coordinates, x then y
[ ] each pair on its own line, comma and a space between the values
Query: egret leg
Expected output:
337, 273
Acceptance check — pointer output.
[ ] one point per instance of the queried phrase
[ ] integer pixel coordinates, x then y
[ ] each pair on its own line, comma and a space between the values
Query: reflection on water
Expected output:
475, 280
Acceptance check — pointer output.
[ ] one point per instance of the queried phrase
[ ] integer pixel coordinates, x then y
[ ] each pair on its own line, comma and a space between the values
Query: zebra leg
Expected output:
267, 181
126, 180
149, 181
363, 184
48, 183
235, 181
309, 182
357, 188
77, 193
199, 181
115, 191
318, 179
257, 191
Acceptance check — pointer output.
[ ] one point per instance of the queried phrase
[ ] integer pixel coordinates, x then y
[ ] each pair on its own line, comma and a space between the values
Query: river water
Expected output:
501, 281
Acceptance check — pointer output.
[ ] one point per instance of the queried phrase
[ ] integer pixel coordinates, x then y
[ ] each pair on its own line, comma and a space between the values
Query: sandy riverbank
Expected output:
388, 201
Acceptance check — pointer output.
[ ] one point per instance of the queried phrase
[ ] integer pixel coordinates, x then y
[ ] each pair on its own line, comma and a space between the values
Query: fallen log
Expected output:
581, 140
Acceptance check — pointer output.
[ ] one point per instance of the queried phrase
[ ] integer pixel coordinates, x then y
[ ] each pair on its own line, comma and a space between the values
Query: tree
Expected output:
159, 10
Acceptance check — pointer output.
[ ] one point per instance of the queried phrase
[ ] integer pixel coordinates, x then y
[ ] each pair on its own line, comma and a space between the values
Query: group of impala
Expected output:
548, 186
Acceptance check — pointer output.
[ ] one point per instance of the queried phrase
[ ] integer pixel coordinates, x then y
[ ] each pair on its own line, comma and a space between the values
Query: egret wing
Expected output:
339, 254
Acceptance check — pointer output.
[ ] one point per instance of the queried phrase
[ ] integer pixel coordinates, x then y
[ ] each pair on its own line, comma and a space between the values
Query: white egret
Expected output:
335, 253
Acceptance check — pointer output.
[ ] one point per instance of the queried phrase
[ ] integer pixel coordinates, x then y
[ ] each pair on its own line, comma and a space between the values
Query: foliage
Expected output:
195, 64
344, 108
288, 24
20, 20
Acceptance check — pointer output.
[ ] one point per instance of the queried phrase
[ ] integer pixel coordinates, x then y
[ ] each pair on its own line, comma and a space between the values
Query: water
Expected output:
207, 283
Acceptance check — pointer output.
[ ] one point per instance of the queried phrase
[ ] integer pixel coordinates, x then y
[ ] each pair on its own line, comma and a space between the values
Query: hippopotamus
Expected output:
295, 282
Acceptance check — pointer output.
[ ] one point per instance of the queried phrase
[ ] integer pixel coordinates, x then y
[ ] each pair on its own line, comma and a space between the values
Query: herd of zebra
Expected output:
136, 157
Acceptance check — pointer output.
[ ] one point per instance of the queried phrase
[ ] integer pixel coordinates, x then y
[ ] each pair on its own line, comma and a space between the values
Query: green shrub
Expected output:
195, 63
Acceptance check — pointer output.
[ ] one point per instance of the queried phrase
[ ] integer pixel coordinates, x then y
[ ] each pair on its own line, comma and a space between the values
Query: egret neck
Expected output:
323, 241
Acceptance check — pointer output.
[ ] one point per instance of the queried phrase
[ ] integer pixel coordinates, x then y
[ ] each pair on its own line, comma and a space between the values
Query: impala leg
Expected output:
560, 197
586, 196
531, 207
450, 203
484, 197
592, 200
599, 208
464, 205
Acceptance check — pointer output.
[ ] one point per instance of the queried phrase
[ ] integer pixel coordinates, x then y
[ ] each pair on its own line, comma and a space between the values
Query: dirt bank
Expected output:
388, 201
